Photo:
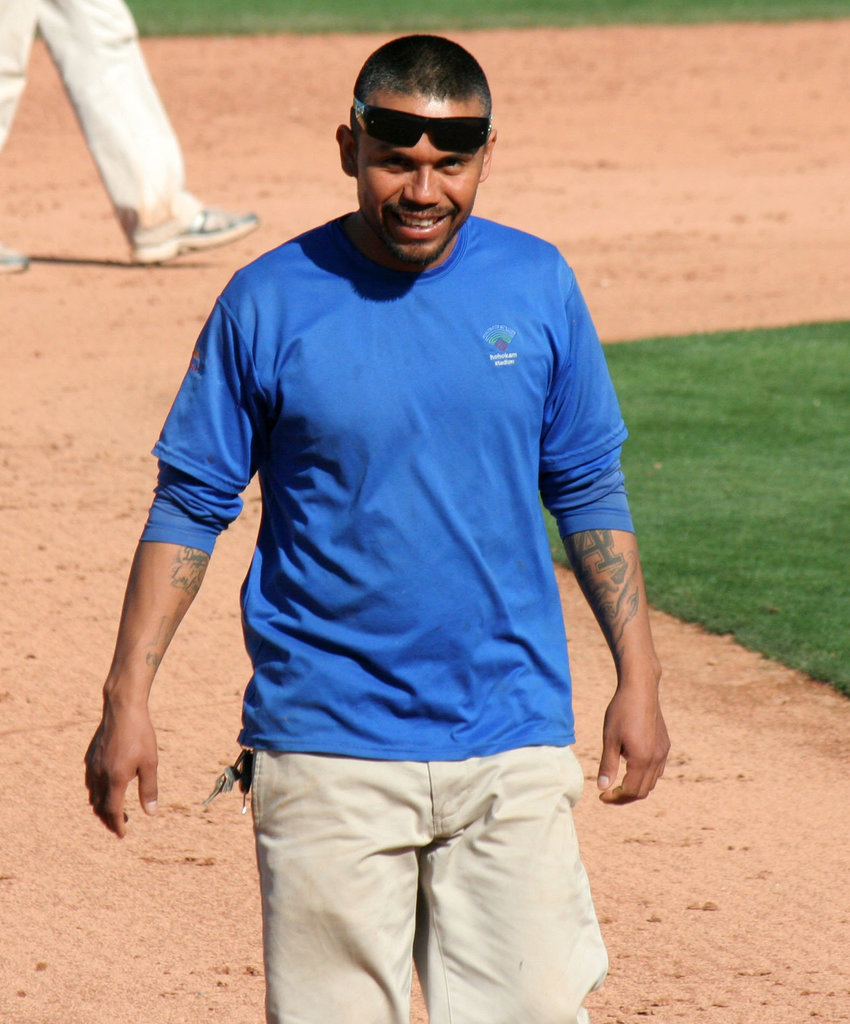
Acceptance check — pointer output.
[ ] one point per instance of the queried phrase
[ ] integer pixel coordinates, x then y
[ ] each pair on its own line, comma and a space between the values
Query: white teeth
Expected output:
418, 223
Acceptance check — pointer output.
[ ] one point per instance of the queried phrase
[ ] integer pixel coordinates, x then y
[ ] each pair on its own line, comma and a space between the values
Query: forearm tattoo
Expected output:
159, 643
609, 581
187, 572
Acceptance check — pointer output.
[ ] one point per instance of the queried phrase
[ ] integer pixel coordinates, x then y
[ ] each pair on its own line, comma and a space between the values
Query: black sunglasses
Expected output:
451, 134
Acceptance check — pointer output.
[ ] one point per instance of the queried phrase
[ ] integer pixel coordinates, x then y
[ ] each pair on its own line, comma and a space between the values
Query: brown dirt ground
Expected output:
697, 179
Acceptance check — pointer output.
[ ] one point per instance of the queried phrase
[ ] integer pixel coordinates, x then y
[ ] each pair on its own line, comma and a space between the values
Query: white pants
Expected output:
95, 46
472, 867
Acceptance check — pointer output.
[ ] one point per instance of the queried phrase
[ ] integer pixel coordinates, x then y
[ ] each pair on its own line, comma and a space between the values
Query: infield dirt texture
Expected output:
696, 178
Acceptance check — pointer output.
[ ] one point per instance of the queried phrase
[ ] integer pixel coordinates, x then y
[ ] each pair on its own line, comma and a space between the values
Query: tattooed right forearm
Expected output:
159, 642
188, 570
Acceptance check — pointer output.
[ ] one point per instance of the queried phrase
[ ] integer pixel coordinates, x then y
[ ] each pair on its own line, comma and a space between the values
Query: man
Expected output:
95, 47
405, 380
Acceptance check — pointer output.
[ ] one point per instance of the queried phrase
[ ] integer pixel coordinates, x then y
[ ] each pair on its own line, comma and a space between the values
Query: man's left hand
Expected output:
634, 729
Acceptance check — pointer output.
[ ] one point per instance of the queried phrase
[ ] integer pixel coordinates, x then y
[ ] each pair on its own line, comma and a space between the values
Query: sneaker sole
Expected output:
14, 266
188, 242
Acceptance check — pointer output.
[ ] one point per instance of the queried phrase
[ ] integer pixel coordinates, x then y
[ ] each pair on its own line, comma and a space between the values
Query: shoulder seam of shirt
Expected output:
231, 316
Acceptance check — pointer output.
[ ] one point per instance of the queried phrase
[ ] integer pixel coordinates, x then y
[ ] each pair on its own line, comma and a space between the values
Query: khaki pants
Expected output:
95, 47
471, 866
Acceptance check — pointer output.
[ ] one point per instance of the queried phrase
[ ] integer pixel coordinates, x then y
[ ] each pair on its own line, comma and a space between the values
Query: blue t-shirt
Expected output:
401, 602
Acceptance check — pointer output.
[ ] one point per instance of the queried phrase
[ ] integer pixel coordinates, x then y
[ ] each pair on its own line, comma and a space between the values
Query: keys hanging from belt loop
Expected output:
241, 771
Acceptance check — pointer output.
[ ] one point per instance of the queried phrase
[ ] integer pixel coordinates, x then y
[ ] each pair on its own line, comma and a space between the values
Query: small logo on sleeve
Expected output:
500, 337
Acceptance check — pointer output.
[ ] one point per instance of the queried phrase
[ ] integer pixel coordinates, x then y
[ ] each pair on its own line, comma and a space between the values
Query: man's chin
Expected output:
419, 255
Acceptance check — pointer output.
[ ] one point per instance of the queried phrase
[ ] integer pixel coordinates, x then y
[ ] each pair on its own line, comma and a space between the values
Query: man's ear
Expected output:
347, 150
488, 157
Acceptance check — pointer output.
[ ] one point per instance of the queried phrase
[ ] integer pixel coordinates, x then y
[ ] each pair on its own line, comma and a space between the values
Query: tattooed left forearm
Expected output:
609, 579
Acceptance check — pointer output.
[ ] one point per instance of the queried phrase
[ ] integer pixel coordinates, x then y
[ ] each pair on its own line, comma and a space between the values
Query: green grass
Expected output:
738, 469
188, 17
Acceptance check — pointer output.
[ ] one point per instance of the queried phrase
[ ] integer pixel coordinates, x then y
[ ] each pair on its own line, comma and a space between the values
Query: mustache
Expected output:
402, 208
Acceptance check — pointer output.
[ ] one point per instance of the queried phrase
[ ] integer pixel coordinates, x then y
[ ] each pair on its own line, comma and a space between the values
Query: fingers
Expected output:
148, 788
643, 770
110, 767
106, 798
609, 766
111, 811
107, 801
633, 731
636, 785
639, 781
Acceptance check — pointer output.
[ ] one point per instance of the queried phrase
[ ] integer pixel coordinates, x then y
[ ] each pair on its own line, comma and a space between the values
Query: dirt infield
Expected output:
697, 179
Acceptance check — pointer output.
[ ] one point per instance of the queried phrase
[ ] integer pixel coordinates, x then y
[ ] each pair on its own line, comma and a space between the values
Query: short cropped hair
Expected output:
423, 65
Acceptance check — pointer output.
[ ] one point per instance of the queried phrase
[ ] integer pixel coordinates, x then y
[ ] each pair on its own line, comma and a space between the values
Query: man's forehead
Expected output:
425, 105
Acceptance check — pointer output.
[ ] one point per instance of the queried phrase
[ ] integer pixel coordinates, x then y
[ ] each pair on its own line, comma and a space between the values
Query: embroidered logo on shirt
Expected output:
500, 337
195, 361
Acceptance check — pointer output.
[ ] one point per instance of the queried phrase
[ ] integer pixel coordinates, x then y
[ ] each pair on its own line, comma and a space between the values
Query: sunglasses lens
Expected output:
393, 126
398, 128
459, 134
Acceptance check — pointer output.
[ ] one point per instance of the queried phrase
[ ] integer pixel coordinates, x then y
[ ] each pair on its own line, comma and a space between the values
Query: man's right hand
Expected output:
122, 748
163, 582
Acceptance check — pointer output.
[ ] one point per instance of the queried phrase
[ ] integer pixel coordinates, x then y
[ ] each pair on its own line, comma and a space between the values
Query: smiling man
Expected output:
406, 381
418, 161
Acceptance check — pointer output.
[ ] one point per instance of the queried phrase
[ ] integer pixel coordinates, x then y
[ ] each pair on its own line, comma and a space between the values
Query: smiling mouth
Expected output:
417, 222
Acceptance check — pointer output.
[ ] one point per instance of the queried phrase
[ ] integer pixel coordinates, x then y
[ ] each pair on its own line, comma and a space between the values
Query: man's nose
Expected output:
421, 187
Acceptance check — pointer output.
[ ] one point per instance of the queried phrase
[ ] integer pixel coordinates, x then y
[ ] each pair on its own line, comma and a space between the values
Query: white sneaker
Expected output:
211, 227
12, 261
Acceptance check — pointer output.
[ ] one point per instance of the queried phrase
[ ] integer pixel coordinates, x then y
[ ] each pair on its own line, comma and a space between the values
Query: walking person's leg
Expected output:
17, 29
95, 46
